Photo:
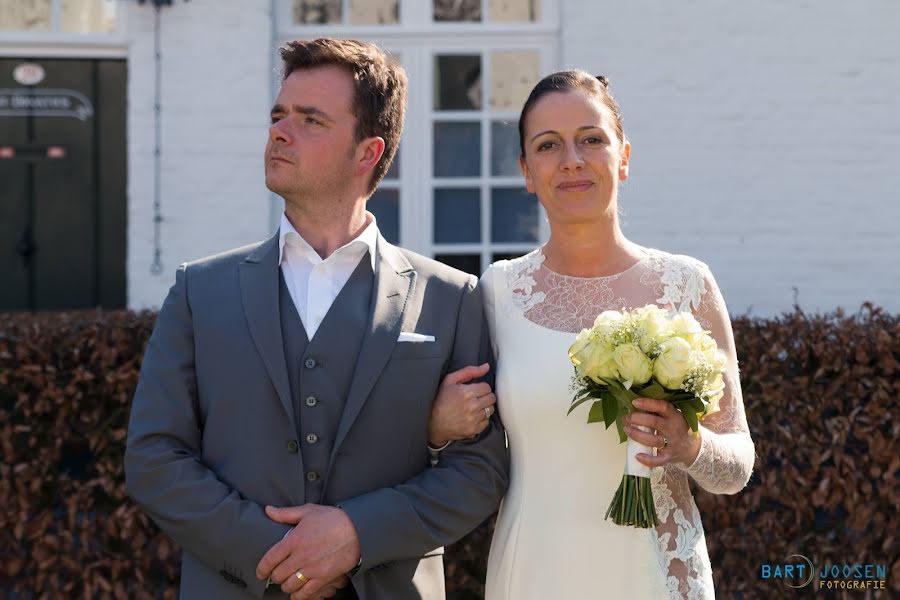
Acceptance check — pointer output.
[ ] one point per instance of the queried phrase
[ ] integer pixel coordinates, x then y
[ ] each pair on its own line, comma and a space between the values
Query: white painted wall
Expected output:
216, 86
766, 140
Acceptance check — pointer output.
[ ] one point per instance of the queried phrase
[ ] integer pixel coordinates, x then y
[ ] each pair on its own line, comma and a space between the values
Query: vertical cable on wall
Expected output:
157, 267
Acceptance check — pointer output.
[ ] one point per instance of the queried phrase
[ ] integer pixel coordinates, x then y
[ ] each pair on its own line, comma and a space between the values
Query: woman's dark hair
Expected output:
568, 81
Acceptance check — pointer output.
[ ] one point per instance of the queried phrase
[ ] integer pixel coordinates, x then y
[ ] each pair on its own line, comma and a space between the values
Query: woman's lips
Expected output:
575, 186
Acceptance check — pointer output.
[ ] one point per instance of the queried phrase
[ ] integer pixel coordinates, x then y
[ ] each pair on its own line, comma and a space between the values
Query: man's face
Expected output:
311, 147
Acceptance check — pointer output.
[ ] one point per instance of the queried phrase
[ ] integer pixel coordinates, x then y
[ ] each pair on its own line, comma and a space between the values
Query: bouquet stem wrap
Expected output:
632, 503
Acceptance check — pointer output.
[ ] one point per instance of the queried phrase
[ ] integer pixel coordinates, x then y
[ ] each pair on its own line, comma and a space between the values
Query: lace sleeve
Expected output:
488, 297
726, 456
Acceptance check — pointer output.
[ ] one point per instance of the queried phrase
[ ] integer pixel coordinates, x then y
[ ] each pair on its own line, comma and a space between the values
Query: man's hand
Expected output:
461, 409
323, 546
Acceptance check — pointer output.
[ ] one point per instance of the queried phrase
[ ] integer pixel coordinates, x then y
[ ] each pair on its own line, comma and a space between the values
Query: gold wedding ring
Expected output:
487, 412
303, 578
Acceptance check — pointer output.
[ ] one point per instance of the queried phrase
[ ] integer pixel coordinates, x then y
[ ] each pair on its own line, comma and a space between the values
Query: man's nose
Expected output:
278, 132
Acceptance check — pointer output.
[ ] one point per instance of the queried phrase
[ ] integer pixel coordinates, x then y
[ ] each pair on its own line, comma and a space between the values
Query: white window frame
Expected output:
417, 39
61, 44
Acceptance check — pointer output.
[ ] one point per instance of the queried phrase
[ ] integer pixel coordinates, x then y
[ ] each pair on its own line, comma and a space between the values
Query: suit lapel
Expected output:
395, 281
259, 292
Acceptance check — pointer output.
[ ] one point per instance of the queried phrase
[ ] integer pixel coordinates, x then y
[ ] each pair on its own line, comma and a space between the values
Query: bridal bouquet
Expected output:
650, 353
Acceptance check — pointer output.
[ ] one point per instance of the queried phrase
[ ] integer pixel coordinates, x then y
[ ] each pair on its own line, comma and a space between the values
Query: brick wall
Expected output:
766, 140
216, 90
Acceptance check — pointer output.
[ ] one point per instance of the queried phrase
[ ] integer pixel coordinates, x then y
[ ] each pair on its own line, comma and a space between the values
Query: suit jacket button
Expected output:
293, 446
310, 363
312, 401
312, 476
312, 438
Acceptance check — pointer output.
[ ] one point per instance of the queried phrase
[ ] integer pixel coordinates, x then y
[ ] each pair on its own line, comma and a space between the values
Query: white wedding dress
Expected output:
551, 540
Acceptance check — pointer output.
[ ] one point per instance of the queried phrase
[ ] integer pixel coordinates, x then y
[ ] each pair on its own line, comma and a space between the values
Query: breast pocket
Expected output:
412, 350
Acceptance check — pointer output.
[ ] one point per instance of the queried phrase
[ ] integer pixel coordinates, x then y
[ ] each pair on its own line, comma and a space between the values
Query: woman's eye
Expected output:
545, 146
594, 140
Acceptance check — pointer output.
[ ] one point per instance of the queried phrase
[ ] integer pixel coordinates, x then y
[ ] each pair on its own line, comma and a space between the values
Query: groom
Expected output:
299, 373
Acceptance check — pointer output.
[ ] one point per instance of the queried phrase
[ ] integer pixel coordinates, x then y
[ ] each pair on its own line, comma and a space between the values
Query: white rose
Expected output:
654, 326
684, 325
607, 322
673, 363
600, 364
715, 358
580, 350
633, 364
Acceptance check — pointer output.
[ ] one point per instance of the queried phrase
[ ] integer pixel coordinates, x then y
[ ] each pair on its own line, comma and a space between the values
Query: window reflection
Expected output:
25, 15
322, 12
457, 10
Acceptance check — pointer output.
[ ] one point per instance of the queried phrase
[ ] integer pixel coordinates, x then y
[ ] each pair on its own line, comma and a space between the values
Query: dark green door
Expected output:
62, 186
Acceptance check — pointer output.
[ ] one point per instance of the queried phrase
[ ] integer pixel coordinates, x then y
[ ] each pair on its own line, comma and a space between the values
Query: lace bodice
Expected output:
677, 283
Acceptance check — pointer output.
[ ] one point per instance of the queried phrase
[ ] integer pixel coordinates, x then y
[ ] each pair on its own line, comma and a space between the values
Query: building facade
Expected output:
765, 138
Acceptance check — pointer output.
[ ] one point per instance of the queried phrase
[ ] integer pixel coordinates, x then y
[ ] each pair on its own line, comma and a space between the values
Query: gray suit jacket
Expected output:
212, 425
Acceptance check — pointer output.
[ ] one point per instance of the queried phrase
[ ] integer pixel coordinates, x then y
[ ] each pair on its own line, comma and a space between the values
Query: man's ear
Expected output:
368, 153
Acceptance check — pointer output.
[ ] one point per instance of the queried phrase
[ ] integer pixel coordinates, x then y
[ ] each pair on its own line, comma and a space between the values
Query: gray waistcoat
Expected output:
320, 371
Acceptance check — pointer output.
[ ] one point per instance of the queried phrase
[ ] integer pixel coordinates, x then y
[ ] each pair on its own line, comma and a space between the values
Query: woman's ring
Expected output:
487, 412
303, 578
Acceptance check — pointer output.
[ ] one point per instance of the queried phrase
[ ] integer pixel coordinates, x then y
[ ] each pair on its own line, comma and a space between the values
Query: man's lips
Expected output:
279, 159
575, 186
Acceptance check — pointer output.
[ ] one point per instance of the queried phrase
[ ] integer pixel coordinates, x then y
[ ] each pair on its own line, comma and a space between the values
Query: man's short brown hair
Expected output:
379, 83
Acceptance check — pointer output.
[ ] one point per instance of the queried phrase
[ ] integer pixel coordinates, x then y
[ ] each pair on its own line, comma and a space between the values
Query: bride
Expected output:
551, 539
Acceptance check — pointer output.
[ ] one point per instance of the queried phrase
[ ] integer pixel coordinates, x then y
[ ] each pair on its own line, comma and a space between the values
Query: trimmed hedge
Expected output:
821, 394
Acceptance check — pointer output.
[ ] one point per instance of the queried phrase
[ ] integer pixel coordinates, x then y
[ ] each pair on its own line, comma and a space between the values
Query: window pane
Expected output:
470, 263
513, 10
457, 149
514, 215
88, 16
25, 15
317, 11
505, 148
457, 216
457, 82
513, 74
457, 10
374, 12
506, 255
393, 171
385, 205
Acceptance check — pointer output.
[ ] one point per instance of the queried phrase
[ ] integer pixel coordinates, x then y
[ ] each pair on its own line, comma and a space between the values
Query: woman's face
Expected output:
573, 159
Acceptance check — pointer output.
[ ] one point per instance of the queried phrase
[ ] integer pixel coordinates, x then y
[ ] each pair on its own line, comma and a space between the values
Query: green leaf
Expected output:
578, 401
621, 427
654, 390
691, 417
595, 415
623, 396
610, 408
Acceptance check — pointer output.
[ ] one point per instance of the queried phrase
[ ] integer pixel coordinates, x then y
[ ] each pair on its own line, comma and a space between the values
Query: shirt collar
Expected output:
367, 239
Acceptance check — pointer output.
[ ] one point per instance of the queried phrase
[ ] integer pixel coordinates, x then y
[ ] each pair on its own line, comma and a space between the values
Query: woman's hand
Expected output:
461, 409
673, 438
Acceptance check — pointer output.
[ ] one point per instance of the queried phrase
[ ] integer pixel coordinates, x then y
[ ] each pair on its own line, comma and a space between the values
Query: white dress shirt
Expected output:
314, 283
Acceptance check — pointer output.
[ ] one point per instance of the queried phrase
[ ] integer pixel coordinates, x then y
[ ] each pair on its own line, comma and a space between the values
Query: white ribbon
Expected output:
632, 449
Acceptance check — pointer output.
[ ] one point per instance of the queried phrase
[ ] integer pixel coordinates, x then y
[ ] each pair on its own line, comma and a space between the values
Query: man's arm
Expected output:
444, 503
163, 470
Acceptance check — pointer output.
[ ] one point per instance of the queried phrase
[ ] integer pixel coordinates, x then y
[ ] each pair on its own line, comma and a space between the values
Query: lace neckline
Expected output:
540, 258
